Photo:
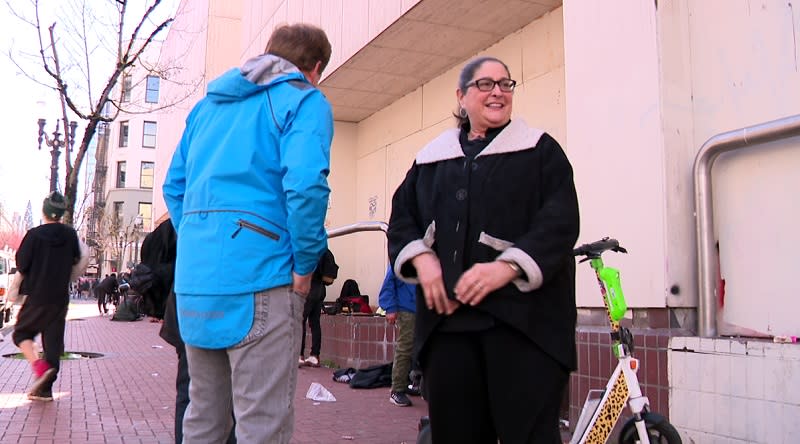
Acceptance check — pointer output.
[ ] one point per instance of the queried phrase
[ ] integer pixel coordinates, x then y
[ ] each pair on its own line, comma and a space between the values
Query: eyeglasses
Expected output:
486, 84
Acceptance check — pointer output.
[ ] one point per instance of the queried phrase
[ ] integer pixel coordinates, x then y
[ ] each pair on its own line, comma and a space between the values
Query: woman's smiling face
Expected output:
487, 109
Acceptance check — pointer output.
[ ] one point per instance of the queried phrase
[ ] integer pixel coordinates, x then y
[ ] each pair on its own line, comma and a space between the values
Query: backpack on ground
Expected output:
127, 311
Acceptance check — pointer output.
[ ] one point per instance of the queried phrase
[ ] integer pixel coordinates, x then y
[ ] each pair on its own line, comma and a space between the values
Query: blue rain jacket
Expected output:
247, 188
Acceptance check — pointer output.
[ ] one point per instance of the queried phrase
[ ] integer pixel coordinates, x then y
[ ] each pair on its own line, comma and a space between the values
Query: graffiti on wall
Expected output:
373, 206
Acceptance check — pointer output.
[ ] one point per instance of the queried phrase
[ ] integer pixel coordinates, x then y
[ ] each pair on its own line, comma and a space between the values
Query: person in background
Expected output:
324, 275
485, 221
159, 249
104, 290
49, 257
85, 287
248, 181
122, 287
398, 299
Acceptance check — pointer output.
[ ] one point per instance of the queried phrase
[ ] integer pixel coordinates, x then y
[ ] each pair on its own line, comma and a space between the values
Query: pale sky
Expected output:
24, 170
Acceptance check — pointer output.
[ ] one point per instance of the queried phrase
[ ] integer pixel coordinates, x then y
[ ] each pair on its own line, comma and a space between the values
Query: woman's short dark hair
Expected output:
302, 44
467, 73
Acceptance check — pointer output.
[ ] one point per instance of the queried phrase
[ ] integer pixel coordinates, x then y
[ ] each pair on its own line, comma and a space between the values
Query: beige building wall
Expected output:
744, 71
615, 142
642, 97
343, 181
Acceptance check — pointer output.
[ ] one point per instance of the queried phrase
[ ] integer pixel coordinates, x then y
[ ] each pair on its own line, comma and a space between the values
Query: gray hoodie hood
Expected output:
254, 76
265, 68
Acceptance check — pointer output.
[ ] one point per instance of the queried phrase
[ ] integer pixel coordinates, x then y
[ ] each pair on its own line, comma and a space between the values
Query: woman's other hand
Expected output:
429, 272
482, 279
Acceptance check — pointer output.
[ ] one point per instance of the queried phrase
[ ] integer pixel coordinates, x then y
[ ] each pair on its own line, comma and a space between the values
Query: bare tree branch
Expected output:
70, 61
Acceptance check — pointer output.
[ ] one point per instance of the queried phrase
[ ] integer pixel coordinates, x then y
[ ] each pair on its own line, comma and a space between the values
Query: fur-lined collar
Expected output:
517, 136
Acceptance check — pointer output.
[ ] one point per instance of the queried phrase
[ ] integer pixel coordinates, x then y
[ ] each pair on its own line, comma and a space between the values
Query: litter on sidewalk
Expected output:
319, 393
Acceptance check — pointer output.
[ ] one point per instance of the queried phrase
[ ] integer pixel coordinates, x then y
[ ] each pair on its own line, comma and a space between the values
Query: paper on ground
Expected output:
319, 393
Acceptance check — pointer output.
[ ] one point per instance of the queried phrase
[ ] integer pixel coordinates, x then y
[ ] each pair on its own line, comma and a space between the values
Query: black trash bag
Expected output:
375, 376
127, 311
141, 279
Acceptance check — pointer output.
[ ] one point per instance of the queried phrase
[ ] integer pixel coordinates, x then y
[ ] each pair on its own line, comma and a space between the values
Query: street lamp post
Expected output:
55, 143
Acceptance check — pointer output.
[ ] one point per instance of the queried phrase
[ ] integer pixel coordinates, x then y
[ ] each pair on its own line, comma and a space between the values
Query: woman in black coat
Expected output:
485, 222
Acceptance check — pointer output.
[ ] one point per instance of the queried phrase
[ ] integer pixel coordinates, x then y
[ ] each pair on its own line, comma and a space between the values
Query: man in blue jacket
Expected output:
247, 192
398, 299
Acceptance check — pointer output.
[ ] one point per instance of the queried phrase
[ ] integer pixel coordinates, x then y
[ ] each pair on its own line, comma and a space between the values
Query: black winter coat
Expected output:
514, 201
45, 257
159, 250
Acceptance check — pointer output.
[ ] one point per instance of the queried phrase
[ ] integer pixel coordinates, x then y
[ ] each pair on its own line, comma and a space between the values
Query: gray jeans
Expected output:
257, 377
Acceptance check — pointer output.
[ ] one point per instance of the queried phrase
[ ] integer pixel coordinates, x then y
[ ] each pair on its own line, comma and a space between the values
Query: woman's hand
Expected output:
429, 272
482, 279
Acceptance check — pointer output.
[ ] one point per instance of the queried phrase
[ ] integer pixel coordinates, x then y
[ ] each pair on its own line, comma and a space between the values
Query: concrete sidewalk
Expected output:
128, 394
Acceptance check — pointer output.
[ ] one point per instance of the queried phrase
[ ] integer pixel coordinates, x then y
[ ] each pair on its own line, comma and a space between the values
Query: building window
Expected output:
149, 135
146, 212
123, 133
118, 209
146, 175
121, 166
151, 96
126, 88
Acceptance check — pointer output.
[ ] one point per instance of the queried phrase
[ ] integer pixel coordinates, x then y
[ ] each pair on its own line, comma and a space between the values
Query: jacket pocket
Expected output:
257, 228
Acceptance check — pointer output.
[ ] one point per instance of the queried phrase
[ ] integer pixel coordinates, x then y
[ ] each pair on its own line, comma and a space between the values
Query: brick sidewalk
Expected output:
128, 395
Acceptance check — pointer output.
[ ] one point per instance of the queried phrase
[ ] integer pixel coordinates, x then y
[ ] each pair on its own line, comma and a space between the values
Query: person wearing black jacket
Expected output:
106, 287
485, 222
46, 258
154, 282
325, 273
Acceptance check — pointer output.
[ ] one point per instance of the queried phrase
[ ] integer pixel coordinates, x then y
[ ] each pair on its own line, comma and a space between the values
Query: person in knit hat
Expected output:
49, 257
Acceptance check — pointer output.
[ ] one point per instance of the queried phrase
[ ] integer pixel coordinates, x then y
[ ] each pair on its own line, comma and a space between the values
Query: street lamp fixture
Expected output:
55, 143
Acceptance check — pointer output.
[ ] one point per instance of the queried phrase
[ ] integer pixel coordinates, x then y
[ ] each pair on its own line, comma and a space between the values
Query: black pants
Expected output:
181, 392
311, 316
490, 384
101, 301
182, 396
50, 321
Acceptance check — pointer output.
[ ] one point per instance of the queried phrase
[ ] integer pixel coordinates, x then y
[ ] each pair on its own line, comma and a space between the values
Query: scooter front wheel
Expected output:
659, 430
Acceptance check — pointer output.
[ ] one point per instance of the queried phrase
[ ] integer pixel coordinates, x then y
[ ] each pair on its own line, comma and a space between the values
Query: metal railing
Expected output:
358, 227
703, 205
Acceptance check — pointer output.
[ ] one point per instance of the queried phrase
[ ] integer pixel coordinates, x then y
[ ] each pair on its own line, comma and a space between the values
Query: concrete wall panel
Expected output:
543, 46
390, 124
613, 124
744, 71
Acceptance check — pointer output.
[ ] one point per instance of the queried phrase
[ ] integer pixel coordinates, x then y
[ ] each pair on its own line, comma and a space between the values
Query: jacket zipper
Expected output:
245, 224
